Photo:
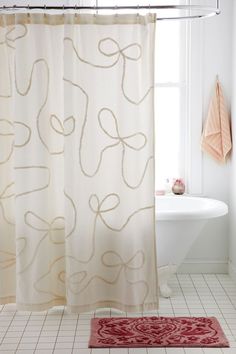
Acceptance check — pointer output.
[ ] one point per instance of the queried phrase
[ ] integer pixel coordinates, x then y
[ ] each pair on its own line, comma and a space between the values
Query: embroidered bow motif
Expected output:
109, 125
52, 228
112, 259
109, 47
110, 202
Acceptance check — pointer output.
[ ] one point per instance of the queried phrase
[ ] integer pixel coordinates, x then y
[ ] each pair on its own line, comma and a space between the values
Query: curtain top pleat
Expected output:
74, 18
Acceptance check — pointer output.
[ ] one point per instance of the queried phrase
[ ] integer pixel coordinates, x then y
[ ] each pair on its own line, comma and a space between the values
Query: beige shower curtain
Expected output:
77, 221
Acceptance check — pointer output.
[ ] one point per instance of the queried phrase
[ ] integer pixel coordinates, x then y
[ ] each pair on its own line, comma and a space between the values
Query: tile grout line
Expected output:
1, 340
40, 331
217, 304
199, 297
234, 306
172, 302
23, 332
76, 327
8, 325
182, 291
198, 293
172, 310
54, 348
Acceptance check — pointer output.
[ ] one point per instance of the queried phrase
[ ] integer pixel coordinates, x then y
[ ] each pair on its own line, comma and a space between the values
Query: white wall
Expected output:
210, 252
232, 243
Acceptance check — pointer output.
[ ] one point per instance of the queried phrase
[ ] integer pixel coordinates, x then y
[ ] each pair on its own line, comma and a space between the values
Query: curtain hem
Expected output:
80, 309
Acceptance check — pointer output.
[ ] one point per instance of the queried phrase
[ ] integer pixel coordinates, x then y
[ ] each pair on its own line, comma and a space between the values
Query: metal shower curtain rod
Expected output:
212, 11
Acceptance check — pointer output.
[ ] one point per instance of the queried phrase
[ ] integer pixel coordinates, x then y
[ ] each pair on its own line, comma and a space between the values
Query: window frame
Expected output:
191, 53
194, 107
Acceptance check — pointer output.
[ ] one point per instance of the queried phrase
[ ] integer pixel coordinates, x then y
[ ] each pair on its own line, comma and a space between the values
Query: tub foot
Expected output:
164, 274
165, 290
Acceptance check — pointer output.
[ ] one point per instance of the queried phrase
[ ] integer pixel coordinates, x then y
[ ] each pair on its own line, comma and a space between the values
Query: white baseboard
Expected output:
232, 271
203, 266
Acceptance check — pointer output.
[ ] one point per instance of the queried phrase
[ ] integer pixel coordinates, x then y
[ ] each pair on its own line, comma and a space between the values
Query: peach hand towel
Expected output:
216, 137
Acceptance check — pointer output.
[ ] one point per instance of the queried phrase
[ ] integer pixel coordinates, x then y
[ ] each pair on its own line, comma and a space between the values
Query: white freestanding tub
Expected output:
179, 221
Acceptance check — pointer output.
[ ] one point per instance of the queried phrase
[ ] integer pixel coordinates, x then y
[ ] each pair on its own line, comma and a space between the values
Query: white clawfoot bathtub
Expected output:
179, 221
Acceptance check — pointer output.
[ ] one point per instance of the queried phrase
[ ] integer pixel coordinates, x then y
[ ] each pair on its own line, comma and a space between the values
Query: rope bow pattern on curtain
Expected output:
77, 216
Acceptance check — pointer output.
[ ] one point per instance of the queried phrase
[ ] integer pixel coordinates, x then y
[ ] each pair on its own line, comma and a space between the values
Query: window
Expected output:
170, 100
178, 111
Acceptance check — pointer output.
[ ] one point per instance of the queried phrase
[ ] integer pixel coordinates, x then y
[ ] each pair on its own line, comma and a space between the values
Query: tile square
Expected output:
48, 333
66, 333
29, 339
8, 346
193, 350
45, 345
62, 345
47, 339
87, 351
31, 334
79, 345
156, 351
175, 351
8, 340
27, 346
65, 339
13, 335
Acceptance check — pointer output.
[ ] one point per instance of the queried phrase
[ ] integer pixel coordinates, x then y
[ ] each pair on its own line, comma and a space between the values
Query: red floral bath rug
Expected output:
136, 332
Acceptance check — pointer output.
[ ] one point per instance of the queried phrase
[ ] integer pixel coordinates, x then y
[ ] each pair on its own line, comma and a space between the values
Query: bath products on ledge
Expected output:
178, 186
168, 186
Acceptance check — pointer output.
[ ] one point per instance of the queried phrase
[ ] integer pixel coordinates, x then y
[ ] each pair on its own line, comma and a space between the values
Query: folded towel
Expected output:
216, 137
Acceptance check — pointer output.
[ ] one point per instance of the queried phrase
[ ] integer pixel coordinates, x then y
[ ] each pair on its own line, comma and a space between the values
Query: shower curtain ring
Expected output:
28, 14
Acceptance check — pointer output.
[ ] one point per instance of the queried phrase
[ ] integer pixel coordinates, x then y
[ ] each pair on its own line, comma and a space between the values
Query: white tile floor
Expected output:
55, 331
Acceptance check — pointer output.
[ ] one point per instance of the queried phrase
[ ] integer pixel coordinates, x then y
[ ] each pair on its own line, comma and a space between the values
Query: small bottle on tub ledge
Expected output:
164, 187
178, 186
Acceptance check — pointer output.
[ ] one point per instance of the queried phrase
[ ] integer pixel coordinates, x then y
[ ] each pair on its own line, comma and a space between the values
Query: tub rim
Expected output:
216, 208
